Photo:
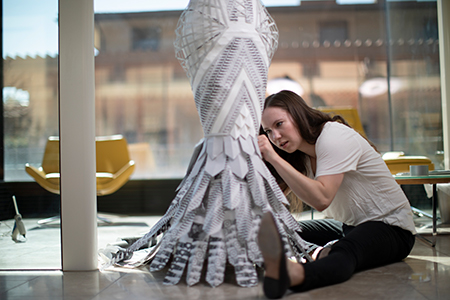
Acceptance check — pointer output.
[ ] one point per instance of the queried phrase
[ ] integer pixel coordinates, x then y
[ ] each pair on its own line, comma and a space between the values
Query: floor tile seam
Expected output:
18, 286
443, 253
97, 294
425, 295
108, 286
429, 297
439, 253
88, 297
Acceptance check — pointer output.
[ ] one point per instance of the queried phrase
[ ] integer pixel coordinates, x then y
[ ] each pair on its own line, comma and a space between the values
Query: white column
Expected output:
444, 57
77, 135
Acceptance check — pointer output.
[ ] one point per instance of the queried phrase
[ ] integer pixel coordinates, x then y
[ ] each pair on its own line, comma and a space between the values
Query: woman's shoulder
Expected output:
335, 133
335, 124
337, 149
336, 128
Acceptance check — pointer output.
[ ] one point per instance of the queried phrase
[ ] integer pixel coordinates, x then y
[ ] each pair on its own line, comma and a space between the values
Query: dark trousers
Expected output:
368, 245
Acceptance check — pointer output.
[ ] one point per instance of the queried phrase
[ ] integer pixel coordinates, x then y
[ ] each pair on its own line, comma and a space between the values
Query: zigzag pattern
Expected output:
226, 47
235, 83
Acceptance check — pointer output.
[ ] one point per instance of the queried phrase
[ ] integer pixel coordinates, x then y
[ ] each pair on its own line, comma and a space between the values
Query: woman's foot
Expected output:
280, 273
296, 273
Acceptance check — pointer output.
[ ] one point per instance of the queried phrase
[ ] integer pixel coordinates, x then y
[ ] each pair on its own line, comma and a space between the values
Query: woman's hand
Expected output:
266, 148
317, 193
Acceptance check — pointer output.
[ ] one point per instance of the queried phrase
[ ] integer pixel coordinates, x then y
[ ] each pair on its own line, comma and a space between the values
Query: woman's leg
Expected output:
279, 271
321, 231
368, 245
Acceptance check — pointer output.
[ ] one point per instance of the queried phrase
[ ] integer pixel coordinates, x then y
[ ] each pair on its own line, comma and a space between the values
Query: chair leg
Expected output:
105, 220
421, 213
48, 220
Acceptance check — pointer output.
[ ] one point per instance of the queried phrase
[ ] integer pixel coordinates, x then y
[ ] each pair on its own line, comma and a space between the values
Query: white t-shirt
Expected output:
368, 191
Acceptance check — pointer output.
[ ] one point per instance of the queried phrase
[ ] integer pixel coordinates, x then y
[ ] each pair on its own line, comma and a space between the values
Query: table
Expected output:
433, 179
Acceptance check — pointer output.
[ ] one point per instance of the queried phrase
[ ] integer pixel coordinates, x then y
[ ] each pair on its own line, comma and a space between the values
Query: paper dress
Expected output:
225, 47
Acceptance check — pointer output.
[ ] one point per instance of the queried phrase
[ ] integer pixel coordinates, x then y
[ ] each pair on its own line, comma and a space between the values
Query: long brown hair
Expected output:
309, 123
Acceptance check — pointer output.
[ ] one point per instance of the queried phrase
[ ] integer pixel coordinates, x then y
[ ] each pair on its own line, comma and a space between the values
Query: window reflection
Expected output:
146, 38
30, 73
339, 55
143, 93
30, 116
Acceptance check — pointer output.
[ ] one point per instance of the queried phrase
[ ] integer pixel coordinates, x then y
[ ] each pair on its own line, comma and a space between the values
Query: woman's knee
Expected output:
320, 231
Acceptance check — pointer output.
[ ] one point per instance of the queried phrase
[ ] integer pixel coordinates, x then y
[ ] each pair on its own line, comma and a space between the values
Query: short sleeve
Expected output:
337, 149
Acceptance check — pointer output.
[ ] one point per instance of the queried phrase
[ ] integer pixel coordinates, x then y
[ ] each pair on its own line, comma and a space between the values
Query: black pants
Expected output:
368, 245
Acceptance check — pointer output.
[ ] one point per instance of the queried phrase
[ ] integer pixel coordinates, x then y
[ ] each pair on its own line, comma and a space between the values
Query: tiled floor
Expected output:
425, 274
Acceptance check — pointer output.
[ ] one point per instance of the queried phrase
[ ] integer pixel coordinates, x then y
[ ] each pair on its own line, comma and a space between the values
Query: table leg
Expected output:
434, 205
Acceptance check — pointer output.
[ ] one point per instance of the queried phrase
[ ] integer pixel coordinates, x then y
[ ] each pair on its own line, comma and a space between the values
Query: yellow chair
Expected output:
397, 162
114, 166
350, 115
47, 175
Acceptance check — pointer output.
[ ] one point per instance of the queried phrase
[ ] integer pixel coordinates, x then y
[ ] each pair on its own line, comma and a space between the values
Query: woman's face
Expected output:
281, 129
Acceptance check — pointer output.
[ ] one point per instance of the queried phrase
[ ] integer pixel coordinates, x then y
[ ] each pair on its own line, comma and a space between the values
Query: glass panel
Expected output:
143, 93
332, 51
379, 57
415, 94
415, 80
30, 114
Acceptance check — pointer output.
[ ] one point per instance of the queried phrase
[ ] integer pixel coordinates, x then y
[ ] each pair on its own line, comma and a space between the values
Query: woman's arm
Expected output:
316, 193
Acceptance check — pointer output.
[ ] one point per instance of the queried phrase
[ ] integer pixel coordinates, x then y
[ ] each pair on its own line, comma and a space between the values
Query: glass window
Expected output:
30, 87
381, 59
332, 31
30, 117
146, 38
143, 93
338, 54
415, 95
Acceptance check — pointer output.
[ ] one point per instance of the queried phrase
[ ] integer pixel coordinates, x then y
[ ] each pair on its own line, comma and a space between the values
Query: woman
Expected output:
339, 173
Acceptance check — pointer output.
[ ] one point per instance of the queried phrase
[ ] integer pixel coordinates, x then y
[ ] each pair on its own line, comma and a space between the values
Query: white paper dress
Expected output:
226, 47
